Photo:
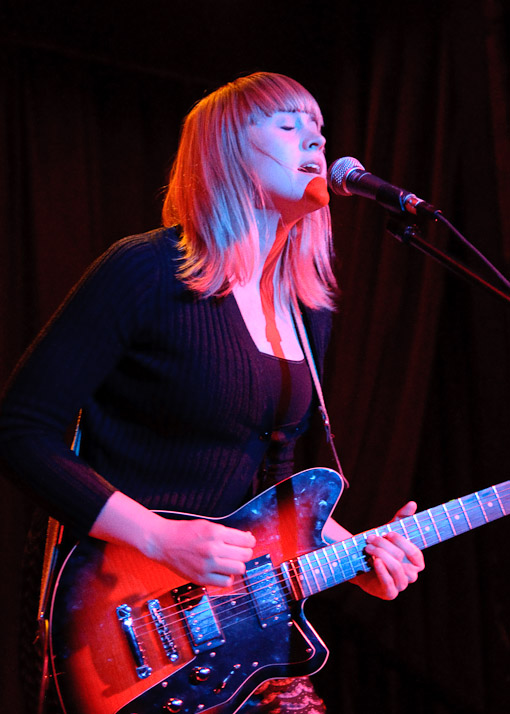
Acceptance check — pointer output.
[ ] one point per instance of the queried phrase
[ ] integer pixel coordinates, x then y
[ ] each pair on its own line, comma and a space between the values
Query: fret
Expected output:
324, 560
361, 558
302, 579
309, 568
336, 571
405, 533
356, 561
432, 520
458, 515
494, 489
318, 571
303, 582
417, 523
340, 574
409, 530
468, 505
429, 533
333, 564
386, 528
450, 522
482, 507
326, 565
493, 504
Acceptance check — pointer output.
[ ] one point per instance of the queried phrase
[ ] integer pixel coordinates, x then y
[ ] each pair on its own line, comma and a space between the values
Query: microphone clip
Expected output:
403, 231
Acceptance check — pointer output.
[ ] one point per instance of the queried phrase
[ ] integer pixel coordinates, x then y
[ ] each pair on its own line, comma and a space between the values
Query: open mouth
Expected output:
310, 168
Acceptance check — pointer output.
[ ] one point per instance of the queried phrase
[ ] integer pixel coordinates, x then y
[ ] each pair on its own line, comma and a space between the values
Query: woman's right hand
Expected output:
201, 551
204, 552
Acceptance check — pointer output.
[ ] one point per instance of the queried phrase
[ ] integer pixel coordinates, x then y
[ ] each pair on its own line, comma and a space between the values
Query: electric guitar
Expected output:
127, 636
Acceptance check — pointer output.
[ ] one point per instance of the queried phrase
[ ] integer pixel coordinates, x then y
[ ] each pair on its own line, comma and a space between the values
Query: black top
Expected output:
176, 407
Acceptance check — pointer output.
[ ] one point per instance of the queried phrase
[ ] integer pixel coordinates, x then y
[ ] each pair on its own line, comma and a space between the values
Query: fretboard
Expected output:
334, 564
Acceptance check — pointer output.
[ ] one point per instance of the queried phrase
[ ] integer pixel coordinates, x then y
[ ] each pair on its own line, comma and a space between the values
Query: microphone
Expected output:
347, 177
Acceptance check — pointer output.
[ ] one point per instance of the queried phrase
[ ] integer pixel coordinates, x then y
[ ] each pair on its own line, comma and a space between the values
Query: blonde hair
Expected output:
212, 194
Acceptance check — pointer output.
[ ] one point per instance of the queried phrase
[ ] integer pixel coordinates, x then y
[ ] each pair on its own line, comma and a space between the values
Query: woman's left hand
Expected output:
396, 561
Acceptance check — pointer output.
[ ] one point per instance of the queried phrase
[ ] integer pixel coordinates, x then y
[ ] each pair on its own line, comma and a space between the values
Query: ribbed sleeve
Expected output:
66, 364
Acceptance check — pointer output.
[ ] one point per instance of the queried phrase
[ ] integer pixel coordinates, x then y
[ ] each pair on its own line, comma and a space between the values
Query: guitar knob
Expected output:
200, 674
173, 705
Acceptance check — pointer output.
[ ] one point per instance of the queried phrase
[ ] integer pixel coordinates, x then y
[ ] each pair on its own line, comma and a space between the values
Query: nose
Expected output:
314, 139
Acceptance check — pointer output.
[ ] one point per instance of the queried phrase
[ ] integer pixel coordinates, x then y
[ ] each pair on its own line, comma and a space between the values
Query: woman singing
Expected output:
179, 348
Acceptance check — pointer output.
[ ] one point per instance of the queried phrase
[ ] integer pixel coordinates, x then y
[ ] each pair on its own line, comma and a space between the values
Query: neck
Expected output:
260, 296
273, 232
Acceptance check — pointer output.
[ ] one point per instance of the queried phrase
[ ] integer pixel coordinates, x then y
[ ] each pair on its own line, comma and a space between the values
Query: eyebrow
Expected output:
313, 117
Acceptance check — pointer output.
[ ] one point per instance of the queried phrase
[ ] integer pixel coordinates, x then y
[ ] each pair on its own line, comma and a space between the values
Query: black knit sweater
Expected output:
173, 393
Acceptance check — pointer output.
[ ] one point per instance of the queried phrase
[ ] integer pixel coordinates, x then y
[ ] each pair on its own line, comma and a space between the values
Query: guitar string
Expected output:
229, 602
234, 616
227, 622
414, 527
454, 508
244, 594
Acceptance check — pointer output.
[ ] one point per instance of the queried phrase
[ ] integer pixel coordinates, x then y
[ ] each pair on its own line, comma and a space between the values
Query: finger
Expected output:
233, 536
386, 580
233, 552
403, 560
381, 545
224, 566
395, 546
409, 509
411, 551
216, 579
394, 568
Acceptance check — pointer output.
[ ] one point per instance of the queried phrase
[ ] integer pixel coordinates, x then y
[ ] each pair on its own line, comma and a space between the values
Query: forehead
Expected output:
282, 102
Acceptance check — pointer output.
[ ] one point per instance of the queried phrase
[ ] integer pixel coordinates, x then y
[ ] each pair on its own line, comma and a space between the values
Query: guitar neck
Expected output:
334, 564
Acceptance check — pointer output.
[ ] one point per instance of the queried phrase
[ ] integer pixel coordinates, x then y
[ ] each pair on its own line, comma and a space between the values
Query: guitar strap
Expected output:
305, 343
54, 534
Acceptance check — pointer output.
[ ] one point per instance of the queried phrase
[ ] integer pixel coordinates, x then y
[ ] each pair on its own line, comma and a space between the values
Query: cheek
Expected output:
276, 178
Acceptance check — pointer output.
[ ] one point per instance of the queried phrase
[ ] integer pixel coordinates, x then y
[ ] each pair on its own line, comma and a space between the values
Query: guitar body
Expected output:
129, 636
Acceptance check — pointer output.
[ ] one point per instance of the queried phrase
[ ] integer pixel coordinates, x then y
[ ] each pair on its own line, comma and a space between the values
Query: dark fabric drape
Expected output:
418, 371
419, 376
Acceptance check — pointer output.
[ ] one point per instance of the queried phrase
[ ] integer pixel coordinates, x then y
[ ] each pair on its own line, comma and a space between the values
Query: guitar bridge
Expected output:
163, 630
126, 621
203, 627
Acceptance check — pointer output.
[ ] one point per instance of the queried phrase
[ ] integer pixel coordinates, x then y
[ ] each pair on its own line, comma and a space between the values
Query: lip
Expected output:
312, 168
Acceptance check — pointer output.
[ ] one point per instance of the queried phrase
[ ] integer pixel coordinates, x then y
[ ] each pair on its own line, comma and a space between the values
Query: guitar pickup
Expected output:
266, 591
201, 622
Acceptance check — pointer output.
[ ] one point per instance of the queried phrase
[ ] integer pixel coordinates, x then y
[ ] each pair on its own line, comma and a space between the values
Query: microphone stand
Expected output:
410, 234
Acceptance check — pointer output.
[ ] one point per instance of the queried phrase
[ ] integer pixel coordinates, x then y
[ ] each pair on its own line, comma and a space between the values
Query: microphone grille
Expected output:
338, 172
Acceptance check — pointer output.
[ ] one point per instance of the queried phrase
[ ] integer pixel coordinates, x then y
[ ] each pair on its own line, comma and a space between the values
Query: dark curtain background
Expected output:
92, 96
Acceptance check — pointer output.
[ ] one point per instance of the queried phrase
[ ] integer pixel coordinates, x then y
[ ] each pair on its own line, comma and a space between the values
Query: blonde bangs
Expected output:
280, 94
